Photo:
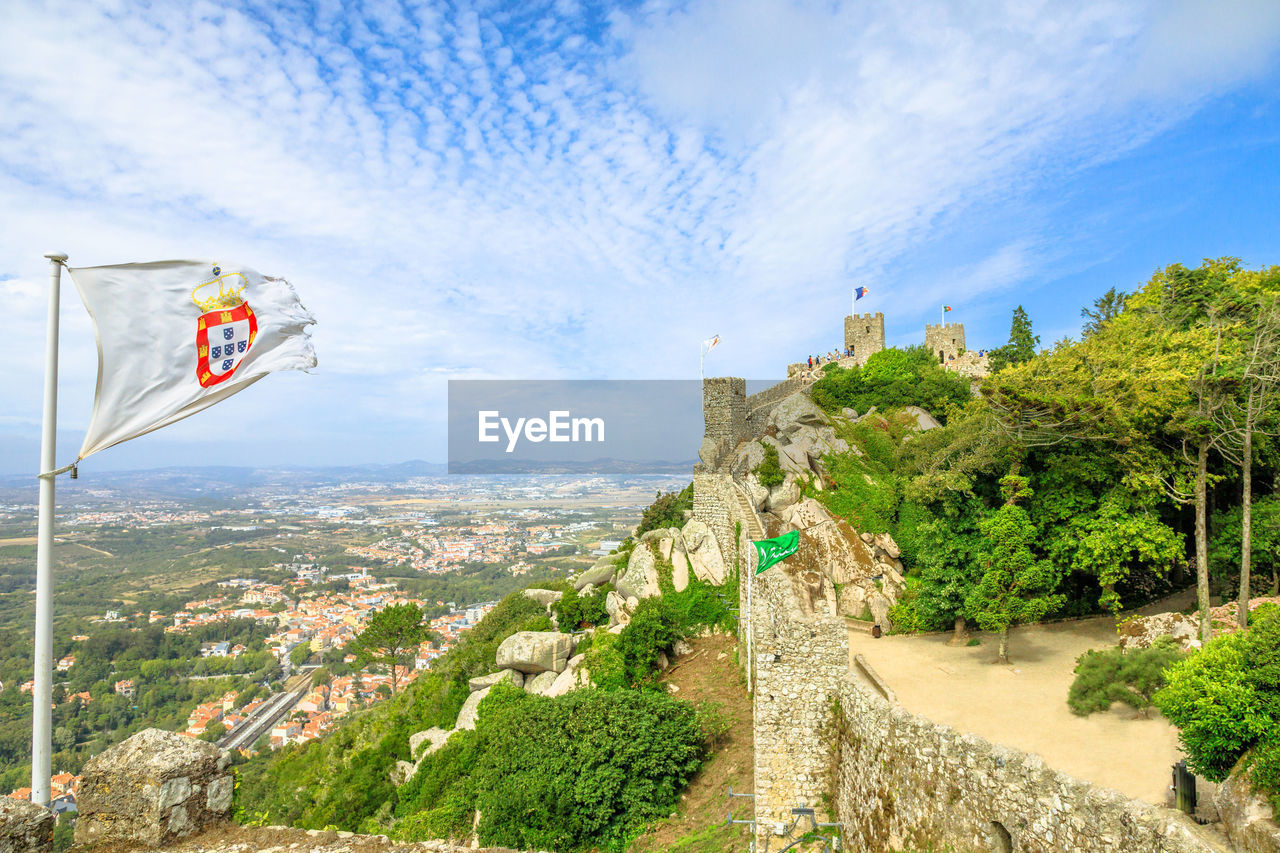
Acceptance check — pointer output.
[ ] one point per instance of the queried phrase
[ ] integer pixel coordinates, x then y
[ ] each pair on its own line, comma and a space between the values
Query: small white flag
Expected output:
175, 337
710, 343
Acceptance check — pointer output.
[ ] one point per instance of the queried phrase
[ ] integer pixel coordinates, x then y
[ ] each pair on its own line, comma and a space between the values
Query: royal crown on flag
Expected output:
229, 295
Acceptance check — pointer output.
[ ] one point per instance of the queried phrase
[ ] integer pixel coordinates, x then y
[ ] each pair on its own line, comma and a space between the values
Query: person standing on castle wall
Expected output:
811, 362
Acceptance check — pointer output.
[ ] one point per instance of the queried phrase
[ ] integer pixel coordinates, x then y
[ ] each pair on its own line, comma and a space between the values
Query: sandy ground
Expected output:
1024, 704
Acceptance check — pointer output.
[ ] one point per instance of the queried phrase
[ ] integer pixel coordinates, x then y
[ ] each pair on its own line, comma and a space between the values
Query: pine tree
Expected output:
1022, 343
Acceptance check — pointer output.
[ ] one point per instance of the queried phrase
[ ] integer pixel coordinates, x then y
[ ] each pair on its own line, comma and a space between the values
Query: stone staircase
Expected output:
751, 522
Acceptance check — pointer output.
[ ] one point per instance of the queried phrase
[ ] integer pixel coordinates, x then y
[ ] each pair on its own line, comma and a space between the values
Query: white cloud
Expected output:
510, 193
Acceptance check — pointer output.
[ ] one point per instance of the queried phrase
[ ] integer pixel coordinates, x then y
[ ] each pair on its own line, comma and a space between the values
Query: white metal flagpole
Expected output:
42, 694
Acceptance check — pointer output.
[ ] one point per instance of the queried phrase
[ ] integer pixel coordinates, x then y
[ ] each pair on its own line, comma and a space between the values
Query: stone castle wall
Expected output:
798, 663
865, 333
724, 408
904, 781
944, 341
760, 406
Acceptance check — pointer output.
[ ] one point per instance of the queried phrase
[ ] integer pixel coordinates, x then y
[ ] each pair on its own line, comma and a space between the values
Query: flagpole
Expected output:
42, 694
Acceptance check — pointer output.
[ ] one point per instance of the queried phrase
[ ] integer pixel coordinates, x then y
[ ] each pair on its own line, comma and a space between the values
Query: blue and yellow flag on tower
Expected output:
860, 292
771, 551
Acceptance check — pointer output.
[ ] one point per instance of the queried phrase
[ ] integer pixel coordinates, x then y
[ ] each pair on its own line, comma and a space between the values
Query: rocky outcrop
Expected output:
1247, 817
152, 788
532, 652
1140, 632
598, 575
704, 553
575, 675
510, 676
541, 682
433, 738
24, 827
640, 578
470, 710
924, 420
545, 597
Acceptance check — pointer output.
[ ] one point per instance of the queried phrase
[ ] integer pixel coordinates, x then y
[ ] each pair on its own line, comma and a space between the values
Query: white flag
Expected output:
175, 337
710, 343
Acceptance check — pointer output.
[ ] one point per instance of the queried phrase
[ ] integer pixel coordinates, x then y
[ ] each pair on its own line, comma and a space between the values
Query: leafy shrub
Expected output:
713, 723
769, 471
893, 378
588, 769
652, 631
1115, 676
667, 510
574, 611
1225, 698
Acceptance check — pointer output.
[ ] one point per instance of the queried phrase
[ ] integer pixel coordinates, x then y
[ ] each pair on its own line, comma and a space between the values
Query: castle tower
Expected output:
944, 341
864, 334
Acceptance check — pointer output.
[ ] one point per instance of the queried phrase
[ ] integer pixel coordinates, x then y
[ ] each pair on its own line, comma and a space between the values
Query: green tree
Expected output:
1133, 677
1016, 587
1106, 307
322, 675
299, 654
769, 471
389, 635
1022, 343
1225, 698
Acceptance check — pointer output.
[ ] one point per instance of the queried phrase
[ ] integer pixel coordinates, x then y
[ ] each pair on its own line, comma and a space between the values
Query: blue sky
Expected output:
556, 190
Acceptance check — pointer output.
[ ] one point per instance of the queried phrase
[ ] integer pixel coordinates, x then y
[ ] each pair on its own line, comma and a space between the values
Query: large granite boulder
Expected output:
704, 553
545, 597
540, 683
470, 711
616, 606
573, 677
640, 578
598, 575
532, 652
433, 738
24, 827
837, 548
511, 676
679, 568
152, 788
795, 412
924, 420
1247, 817
746, 459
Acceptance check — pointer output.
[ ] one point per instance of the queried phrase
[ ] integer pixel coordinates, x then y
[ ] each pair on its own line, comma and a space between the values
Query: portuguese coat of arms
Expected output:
226, 330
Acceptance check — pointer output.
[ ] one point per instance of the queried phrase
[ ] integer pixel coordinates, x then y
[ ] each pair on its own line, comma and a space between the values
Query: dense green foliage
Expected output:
574, 611
769, 471
344, 779
1021, 346
158, 663
667, 510
583, 770
1224, 545
1015, 586
1225, 701
1120, 437
892, 378
1113, 675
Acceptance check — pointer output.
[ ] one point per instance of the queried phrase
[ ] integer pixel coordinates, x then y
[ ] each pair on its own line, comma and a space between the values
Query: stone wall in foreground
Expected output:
799, 658
905, 781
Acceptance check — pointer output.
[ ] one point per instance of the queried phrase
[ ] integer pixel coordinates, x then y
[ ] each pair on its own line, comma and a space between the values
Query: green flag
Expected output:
770, 551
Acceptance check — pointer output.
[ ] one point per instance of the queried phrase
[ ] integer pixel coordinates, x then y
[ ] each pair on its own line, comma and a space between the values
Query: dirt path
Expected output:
1024, 705
709, 673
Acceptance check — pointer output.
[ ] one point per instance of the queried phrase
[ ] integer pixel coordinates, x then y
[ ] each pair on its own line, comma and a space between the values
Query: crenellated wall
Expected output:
944, 341
865, 334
